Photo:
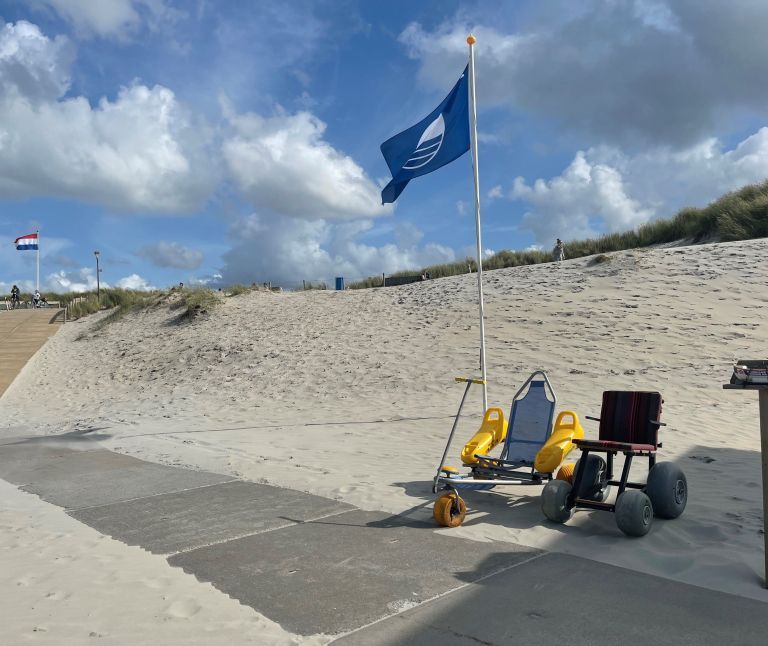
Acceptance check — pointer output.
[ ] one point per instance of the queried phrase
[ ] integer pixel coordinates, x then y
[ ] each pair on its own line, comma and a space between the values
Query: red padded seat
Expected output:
629, 421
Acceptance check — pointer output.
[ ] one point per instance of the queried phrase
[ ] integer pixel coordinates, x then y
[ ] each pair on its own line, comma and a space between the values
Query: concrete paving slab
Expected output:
336, 574
561, 599
177, 522
74, 479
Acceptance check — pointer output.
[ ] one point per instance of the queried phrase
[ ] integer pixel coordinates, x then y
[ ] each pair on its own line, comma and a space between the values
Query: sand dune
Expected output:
349, 394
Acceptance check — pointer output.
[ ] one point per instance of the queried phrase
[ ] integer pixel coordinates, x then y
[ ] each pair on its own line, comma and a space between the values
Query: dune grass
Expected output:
237, 289
125, 300
195, 302
739, 215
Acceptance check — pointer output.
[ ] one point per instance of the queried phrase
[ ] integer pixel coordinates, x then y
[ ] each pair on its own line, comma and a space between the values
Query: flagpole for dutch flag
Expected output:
471, 40
37, 279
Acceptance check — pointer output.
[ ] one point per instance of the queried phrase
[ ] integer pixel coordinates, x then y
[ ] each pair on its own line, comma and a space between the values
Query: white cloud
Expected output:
627, 71
140, 152
31, 65
569, 204
461, 207
134, 281
470, 251
109, 18
604, 189
171, 254
495, 193
288, 250
283, 164
80, 280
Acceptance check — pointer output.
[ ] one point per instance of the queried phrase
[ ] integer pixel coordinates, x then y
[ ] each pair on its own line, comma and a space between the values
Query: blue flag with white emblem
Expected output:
432, 143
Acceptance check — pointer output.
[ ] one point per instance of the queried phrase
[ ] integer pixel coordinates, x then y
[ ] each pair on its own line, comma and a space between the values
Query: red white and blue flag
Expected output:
28, 242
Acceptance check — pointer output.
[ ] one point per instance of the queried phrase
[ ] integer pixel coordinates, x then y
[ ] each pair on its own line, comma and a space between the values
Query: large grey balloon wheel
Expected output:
667, 488
554, 501
593, 478
634, 513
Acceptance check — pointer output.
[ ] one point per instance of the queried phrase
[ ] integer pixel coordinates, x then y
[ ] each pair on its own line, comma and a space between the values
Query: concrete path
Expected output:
316, 565
22, 333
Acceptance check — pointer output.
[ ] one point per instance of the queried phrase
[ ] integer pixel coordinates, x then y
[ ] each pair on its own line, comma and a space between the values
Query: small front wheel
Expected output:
634, 513
450, 510
554, 501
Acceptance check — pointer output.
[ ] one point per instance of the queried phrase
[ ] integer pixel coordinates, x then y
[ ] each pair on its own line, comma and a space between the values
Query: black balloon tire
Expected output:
554, 501
667, 487
593, 479
634, 513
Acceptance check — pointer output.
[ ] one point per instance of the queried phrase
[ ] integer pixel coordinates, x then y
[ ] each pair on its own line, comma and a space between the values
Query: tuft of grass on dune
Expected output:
739, 215
125, 300
237, 289
195, 302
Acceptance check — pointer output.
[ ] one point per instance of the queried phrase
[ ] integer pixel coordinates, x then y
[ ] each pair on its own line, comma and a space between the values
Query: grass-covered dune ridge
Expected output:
739, 215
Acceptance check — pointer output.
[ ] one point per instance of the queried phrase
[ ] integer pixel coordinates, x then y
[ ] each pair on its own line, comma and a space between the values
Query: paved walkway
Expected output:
22, 333
316, 565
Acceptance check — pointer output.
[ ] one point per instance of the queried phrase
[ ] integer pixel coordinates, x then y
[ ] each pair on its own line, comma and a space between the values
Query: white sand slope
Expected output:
349, 394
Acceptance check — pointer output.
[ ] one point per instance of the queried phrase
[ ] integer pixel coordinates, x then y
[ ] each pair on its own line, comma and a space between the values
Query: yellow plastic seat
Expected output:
492, 431
560, 443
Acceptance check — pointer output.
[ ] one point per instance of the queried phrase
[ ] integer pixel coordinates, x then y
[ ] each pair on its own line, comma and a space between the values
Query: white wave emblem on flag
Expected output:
428, 146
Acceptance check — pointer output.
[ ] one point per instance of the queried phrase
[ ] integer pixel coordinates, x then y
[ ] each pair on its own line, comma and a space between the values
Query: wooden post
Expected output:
764, 458
763, 396
383, 280
304, 285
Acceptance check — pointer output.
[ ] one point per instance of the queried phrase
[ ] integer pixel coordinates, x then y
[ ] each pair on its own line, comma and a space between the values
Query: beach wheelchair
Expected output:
530, 454
629, 424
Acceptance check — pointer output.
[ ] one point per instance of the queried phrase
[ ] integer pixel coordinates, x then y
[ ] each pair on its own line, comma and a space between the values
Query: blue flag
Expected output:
433, 142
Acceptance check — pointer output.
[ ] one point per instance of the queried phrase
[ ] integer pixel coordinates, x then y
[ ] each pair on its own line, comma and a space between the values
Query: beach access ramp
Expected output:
22, 333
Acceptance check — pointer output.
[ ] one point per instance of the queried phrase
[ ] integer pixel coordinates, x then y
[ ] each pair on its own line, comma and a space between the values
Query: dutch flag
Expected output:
28, 242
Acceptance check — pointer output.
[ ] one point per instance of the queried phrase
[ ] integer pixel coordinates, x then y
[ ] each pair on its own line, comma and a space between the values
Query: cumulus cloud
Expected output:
31, 65
604, 189
495, 193
286, 250
283, 164
628, 71
140, 152
570, 203
134, 281
171, 254
79, 280
109, 18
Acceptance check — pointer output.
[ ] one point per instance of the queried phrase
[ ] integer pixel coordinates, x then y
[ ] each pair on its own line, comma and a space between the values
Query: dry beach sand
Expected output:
350, 395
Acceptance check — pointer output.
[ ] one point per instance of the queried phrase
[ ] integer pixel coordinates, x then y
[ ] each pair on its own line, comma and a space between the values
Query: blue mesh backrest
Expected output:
530, 424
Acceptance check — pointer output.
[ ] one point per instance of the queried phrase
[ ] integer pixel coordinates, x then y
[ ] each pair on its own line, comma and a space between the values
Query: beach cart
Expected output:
531, 452
629, 424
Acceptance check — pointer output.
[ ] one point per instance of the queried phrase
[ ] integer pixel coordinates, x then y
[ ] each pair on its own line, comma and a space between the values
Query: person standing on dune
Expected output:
558, 252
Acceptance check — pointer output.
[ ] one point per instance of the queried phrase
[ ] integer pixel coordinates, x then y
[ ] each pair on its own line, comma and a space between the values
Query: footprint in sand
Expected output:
183, 609
57, 595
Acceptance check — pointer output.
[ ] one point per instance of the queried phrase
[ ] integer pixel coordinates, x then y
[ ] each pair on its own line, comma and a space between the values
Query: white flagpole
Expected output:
471, 40
37, 280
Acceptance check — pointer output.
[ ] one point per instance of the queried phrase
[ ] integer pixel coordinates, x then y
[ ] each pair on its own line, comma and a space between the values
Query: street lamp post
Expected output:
98, 283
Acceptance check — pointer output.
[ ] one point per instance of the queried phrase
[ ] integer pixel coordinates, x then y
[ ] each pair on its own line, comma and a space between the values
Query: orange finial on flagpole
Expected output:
471, 40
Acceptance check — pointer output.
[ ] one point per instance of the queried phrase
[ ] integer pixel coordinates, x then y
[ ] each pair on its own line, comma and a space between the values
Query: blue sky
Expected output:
222, 142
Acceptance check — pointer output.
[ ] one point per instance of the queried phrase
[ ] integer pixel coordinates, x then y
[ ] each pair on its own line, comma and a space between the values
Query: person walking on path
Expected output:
559, 251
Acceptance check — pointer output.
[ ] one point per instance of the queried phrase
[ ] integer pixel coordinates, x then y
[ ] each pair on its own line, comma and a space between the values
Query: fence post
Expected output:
383, 279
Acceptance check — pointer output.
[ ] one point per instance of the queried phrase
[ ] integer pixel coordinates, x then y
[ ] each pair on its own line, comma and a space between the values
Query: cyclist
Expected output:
15, 297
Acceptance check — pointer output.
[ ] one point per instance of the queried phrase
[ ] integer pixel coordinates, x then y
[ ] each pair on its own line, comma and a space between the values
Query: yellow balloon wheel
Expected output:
566, 472
444, 510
